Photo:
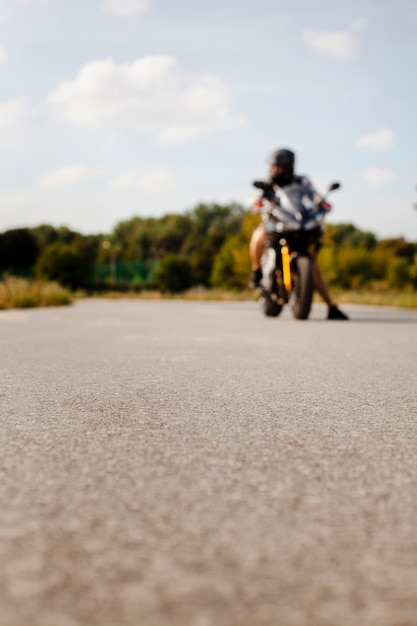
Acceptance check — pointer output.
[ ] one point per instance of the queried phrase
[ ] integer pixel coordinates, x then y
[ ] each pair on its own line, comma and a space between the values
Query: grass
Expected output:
198, 293
376, 296
19, 293
388, 297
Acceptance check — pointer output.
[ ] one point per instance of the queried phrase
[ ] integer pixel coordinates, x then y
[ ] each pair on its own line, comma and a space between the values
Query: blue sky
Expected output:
116, 108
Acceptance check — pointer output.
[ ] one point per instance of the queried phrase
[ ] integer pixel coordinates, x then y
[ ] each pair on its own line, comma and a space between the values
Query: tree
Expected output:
173, 274
197, 236
211, 225
144, 239
231, 267
135, 238
44, 235
170, 235
67, 263
348, 235
398, 274
398, 247
18, 249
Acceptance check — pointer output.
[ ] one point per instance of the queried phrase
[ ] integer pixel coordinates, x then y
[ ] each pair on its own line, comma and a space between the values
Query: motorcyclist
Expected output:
281, 173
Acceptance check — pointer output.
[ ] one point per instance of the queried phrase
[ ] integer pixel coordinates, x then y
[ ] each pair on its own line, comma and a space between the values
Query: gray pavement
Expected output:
196, 464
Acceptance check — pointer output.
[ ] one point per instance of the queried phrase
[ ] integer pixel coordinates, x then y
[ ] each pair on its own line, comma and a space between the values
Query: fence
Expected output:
134, 274
17, 272
112, 274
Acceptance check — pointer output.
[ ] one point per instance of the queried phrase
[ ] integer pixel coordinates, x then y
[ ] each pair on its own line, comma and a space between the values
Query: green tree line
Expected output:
207, 246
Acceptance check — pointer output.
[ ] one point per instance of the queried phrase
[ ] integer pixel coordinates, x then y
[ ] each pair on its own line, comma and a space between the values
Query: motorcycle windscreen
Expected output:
297, 198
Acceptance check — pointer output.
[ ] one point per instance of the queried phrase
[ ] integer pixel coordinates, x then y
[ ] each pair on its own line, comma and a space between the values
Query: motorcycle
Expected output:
294, 230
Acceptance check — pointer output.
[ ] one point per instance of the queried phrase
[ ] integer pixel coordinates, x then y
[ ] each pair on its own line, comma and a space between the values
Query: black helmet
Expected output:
284, 159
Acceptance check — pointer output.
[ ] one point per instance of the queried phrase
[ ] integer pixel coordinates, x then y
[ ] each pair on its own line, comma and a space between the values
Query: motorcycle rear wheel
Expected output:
302, 292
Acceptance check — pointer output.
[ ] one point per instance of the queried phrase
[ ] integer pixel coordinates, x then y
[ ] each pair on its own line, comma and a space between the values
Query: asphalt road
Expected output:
196, 464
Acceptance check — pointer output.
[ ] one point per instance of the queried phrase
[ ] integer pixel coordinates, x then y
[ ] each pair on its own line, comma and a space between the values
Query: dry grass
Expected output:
374, 297
192, 294
19, 293
404, 299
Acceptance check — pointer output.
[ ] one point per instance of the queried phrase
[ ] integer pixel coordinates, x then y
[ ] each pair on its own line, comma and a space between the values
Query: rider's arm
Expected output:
318, 198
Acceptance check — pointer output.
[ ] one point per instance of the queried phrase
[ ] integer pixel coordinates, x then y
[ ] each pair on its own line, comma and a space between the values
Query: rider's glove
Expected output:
326, 206
257, 206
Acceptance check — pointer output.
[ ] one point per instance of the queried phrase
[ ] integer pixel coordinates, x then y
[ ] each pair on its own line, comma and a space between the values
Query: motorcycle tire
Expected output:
302, 292
270, 307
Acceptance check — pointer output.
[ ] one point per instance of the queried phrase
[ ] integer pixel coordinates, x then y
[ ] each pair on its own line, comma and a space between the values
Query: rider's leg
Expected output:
334, 313
256, 246
320, 284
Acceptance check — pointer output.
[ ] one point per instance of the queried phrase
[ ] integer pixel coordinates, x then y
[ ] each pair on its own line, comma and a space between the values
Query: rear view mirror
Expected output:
334, 186
259, 184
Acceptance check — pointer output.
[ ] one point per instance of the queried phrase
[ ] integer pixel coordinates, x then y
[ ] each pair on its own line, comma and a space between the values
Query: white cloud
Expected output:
381, 140
124, 8
148, 181
70, 175
338, 44
149, 95
377, 176
3, 56
359, 24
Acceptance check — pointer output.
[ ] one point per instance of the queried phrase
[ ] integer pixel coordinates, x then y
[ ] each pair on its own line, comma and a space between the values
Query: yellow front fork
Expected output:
286, 268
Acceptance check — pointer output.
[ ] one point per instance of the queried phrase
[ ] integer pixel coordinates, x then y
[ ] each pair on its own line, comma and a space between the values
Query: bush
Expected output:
18, 293
231, 268
398, 274
173, 274
348, 268
356, 267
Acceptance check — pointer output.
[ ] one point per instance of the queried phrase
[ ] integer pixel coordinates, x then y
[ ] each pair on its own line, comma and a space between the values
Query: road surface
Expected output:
197, 464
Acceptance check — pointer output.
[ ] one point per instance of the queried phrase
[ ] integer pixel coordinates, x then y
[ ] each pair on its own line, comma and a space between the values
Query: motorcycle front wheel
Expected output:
302, 291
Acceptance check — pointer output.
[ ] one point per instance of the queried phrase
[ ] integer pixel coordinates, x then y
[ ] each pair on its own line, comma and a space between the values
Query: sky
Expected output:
115, 108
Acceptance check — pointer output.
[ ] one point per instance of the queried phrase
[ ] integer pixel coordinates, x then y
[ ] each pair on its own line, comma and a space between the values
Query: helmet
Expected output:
285, 160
